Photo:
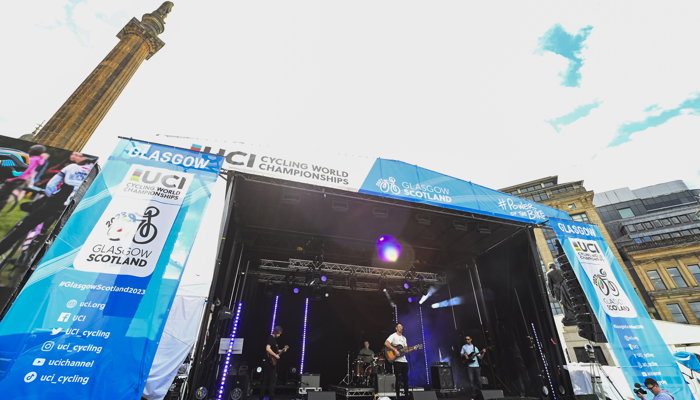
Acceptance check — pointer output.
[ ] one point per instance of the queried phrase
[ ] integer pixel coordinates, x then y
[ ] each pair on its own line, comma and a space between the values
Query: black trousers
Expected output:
269, 380
401, 374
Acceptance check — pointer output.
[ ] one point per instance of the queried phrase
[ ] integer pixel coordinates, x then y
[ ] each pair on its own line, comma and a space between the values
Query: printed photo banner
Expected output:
89, 319
634, 339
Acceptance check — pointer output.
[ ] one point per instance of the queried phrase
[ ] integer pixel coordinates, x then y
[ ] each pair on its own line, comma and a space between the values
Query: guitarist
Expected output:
272, 354
471, 355
401, 363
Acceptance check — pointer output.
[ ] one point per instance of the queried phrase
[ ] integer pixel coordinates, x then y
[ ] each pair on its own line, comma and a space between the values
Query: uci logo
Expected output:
170, 181
585, 247
233, 157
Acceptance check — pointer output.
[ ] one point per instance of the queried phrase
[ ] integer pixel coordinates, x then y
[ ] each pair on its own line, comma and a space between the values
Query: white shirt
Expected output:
395, 339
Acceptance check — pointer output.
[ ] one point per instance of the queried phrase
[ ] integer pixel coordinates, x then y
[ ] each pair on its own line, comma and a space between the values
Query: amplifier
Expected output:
385, 383
311, 380
441, 377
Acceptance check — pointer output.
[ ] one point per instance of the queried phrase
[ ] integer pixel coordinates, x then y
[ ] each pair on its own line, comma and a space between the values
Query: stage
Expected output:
312, 260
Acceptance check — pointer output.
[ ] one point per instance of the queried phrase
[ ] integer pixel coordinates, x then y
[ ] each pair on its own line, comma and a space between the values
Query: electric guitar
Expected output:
273, 360
468, 359
390, 356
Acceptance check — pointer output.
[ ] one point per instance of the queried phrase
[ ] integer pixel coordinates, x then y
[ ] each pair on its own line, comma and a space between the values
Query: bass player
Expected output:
471, 356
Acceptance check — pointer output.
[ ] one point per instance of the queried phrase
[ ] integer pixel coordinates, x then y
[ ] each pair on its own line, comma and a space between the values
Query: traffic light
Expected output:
585, 319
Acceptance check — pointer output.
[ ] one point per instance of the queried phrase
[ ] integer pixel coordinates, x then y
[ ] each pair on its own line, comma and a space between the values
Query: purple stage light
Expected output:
227, 360
410, 299
274, 314
406, 285
324, 278
425, 348
388, 248
295, 290
303, 336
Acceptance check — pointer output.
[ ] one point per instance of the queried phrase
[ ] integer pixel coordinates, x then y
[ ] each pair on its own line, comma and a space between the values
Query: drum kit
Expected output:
364, 373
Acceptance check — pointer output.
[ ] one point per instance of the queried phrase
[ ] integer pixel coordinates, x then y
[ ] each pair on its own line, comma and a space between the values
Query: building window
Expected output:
581, 217
666, 221
582, 355
572, 206
648, 225
675, 220
676, 276
684, 218
695, 307
677, 313
626, 212
656, 279
630, 228
695, 271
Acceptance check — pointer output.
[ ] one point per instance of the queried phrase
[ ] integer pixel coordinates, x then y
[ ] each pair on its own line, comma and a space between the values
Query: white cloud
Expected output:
453, 86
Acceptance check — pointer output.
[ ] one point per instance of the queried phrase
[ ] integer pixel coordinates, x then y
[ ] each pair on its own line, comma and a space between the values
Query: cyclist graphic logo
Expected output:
128, 225
388, 186
604, 285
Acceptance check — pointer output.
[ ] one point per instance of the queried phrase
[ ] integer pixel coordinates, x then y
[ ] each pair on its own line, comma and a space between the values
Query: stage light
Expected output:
274, 314
324, 278
227, 360
406, 285
295, 290
326, 294
258, 370
410, 299
455, 301
388, 248
303, 336
426, 295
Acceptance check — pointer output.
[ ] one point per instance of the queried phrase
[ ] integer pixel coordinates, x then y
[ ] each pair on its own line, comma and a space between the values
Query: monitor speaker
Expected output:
424, 395
321, 395
441, 376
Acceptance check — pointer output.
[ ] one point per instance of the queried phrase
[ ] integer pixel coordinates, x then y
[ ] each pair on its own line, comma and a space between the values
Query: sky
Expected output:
493, 92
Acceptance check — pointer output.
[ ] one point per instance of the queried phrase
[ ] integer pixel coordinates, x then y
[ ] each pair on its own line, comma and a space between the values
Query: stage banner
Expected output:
88, 322
389, 178
635, 341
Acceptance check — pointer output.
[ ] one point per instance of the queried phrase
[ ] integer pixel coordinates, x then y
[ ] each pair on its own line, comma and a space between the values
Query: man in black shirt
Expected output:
272, 355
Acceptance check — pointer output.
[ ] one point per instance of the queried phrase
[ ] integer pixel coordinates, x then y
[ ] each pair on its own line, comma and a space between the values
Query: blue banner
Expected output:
635, 341
88, 321
399, 180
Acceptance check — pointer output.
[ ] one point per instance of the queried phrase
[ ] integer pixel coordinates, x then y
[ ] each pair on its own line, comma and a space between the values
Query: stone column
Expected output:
73, 124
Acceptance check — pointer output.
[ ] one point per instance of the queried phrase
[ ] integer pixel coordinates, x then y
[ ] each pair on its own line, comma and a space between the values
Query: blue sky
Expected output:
458, 87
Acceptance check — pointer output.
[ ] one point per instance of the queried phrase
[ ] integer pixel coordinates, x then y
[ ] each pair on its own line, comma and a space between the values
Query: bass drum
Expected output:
358, 368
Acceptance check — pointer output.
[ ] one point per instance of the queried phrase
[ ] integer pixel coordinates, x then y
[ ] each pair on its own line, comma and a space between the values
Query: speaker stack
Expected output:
441, 376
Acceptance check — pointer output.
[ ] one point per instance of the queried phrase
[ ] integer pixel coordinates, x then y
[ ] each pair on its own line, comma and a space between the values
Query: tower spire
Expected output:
76, 120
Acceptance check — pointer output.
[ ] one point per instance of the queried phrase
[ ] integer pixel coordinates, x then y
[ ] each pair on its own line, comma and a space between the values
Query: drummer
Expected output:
366, 355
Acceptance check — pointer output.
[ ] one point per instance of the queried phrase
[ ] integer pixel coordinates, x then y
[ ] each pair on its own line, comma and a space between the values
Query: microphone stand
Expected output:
347, 380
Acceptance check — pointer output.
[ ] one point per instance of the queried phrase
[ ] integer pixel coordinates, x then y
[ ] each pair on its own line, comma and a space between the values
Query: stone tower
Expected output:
73, 124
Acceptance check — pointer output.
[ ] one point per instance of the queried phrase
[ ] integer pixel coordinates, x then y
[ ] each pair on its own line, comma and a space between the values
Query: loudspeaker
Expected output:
441, 376
424, 395
310, 380
321, 395
237, 387
385, 383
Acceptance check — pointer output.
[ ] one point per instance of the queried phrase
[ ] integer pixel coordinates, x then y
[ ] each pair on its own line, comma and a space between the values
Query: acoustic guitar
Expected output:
273, 360
390, 356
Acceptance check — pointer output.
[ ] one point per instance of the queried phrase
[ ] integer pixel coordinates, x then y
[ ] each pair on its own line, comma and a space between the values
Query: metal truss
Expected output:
336, 269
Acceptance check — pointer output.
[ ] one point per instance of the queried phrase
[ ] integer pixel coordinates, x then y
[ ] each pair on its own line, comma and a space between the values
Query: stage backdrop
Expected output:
89, 320
634, 339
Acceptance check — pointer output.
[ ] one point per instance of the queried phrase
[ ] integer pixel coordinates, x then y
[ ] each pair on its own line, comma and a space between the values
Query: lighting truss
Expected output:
360, 271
